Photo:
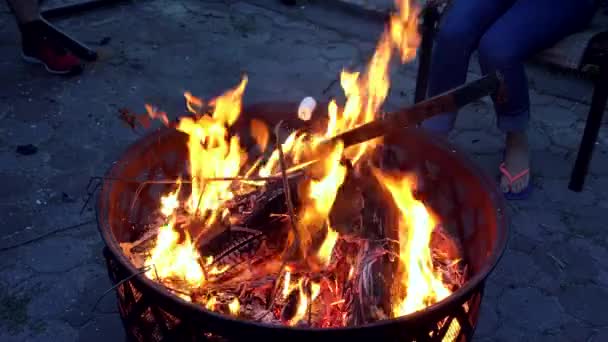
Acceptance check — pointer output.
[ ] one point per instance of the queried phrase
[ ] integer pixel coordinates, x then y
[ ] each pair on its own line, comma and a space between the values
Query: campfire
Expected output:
298, 227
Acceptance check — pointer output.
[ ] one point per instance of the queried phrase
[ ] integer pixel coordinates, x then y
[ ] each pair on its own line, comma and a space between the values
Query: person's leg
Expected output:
459, 32
25, 10
36, 46
528, 27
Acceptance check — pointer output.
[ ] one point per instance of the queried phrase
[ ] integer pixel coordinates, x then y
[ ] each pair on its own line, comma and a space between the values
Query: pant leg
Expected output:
527, 28
461, 28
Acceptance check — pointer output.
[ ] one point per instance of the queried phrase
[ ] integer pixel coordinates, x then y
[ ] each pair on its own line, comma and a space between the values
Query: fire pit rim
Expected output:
429, 313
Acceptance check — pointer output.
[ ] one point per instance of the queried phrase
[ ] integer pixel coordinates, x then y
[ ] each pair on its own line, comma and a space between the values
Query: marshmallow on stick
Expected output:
307, 106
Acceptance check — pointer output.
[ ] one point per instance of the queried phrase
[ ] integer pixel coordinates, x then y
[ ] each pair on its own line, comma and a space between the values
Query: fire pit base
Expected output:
468, 203
145, 318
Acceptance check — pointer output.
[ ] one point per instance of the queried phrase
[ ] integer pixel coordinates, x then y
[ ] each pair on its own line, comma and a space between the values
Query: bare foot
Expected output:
517, 159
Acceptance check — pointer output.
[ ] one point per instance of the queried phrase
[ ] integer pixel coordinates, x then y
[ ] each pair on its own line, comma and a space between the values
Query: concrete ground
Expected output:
551, 285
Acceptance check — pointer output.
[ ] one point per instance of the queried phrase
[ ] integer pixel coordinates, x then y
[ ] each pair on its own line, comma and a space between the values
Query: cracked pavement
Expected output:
551, 285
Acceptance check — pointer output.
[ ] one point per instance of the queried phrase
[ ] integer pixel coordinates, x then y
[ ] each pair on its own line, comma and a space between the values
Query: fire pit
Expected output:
219, 228
456, 191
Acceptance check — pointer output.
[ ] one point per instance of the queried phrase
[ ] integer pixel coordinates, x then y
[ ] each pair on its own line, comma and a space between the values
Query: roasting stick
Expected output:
293, 248
449, 101
395, 122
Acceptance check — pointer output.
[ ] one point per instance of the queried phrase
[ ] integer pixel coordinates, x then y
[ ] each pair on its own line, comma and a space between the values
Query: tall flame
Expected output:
320, 196
213, 153
366, 93
424, 286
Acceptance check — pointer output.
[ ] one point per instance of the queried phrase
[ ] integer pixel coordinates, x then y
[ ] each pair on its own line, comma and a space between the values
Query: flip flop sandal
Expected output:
525, 193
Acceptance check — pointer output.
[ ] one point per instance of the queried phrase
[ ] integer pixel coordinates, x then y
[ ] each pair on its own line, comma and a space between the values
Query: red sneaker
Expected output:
55, 58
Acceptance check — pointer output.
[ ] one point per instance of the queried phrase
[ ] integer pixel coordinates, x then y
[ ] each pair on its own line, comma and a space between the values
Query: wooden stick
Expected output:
291, 250
447, 102
394, 123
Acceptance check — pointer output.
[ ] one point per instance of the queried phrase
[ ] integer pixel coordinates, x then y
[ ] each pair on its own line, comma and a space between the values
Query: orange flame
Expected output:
212, 153
171, 258
424, 286
320, 197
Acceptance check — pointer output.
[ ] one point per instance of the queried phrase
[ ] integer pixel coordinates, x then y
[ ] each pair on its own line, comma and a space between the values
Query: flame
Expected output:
366, 93
304, 300
286, 282
210, 305
156, 114
171, 258
213, 153
170, 202
193, 103
234, 307
320, 196
424, 286
327, 246
351, 272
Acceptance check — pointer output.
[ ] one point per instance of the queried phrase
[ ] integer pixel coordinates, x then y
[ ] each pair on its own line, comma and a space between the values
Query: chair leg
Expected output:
592, 129
430, 18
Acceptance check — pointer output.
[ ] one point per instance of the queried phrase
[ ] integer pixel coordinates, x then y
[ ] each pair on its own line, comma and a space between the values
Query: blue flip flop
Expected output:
522, 195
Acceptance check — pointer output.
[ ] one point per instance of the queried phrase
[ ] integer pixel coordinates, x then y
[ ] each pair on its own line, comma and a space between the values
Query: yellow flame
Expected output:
234, 307
286, 282
424, 285
304, 300
366, 93
170, 202
172, 259
321, 196
210, 305
213, 153
327, 246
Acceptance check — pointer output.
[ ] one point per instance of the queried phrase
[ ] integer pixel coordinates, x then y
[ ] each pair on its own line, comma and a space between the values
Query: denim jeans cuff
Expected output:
513, 122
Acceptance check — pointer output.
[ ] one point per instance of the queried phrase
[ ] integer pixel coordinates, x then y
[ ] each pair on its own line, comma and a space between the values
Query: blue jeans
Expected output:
505, 33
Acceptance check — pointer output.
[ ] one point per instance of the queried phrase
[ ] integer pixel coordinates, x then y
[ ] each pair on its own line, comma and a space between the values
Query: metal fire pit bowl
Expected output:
468, 203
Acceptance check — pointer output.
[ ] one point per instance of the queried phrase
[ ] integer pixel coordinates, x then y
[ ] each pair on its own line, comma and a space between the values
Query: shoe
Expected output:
55, 58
